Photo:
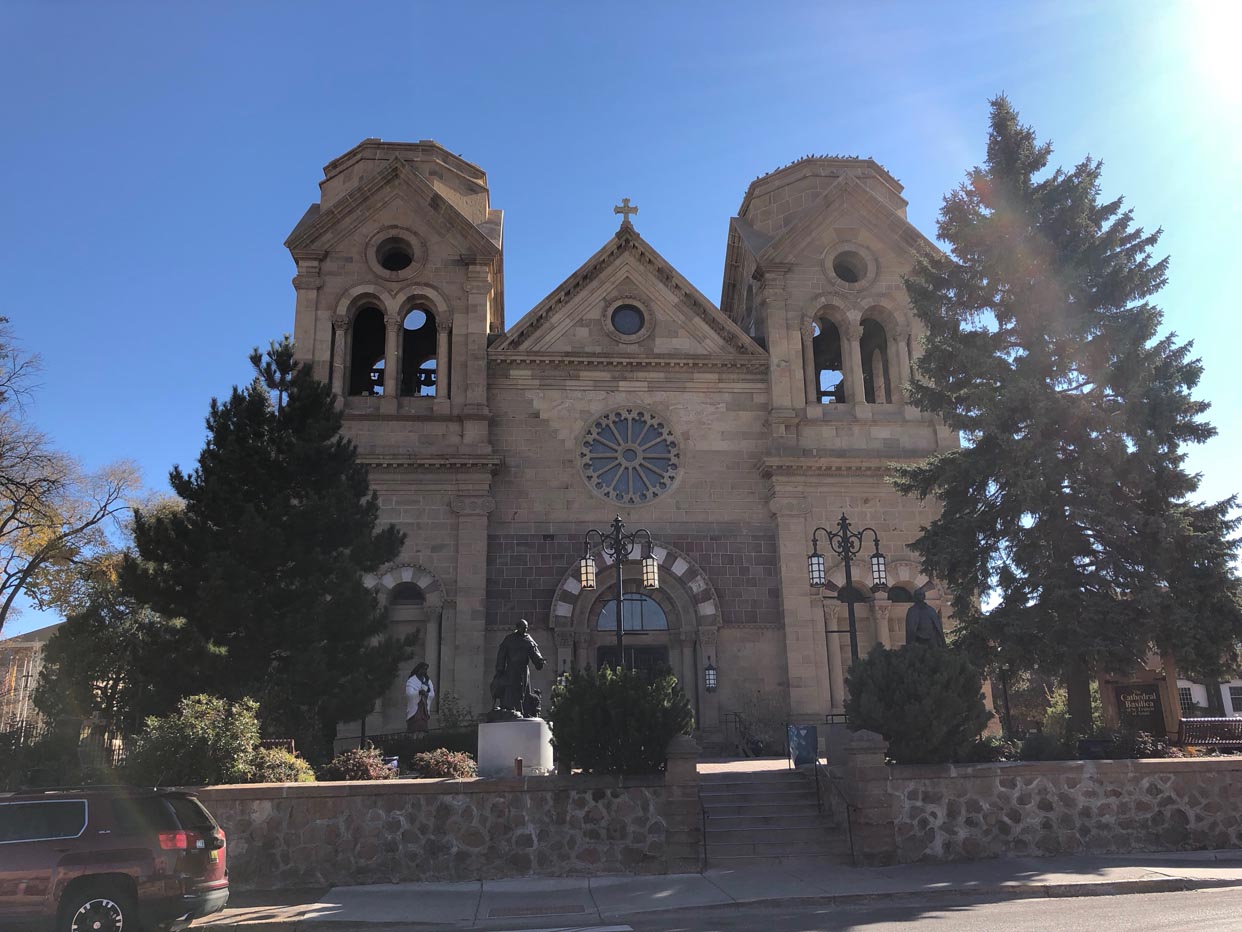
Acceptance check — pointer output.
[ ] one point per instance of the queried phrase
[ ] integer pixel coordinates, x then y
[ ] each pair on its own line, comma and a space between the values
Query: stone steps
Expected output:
764, 817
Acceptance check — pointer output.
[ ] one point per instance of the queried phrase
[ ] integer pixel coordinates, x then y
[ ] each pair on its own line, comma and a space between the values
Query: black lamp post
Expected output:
618, 545
846, 543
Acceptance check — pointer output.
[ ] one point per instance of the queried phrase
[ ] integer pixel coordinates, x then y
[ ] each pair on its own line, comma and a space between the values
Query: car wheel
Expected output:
98, 909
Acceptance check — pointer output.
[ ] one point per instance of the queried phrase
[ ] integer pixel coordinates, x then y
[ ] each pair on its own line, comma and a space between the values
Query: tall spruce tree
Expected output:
1068, 509
265, 561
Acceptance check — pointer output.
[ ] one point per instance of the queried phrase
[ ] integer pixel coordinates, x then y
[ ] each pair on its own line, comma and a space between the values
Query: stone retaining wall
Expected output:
956, 812
387, 831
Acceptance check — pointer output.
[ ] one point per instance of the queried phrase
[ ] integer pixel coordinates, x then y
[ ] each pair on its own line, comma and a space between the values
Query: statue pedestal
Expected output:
500, 742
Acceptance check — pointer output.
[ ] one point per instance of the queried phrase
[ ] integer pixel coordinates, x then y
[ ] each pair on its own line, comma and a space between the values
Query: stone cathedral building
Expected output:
730, 431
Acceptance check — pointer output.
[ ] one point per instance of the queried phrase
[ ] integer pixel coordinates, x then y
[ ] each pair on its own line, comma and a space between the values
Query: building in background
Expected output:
21, 658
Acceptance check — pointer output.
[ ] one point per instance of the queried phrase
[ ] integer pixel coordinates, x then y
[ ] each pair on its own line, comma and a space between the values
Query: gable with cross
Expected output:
624, 209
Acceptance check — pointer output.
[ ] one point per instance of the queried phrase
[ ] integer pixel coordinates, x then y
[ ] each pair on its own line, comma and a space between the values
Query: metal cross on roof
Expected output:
624, 209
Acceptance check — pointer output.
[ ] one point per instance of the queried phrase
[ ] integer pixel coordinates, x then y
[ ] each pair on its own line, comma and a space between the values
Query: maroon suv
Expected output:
108, 859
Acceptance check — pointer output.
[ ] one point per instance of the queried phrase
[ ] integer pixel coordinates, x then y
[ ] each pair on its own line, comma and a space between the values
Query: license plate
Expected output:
213, 856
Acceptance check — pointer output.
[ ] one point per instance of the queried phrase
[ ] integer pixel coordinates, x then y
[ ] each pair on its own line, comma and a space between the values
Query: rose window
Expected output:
629, 456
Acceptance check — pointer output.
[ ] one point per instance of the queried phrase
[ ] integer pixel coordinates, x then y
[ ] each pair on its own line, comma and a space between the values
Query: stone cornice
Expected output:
447, 462
774, 466
568, 361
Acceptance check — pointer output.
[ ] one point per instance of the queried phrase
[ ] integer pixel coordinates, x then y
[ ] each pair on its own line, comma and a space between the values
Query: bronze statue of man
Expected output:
511, 684
923, 625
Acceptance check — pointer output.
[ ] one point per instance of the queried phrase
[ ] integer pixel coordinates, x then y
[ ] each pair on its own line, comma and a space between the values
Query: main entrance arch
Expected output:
676, 624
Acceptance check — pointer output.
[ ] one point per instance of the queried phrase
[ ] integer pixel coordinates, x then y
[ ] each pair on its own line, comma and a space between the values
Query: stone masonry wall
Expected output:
389, 831
902, 814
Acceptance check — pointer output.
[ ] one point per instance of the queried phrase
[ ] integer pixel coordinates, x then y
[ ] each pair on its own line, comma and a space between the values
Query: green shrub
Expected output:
442, 763
358, 764
276, 765
452, 713
207, 740
617, 721
925, 701
405, 747
990, 749
1042, 746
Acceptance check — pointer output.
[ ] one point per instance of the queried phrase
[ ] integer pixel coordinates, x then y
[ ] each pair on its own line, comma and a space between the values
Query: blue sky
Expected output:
156, 155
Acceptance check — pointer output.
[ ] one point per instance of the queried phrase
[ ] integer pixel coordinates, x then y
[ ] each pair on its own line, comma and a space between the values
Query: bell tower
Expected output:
400, 283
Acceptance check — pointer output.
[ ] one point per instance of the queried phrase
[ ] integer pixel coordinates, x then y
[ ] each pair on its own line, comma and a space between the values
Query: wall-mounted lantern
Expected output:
709, 676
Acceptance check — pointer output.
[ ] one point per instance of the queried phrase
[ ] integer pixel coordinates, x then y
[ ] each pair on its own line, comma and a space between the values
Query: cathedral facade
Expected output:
729, 432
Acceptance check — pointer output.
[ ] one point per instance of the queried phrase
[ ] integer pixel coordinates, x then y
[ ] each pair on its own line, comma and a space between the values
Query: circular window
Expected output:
629, 456
394, 254
850, 267
627, 319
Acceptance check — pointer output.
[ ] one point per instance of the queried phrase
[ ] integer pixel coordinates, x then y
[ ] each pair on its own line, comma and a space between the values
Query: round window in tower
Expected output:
628, 319
850, 267
394, 254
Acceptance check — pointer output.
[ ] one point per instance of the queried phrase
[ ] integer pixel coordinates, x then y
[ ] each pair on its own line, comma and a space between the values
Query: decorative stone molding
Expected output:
513, 359
427, 581
789, 506
486, 464
340, 323
472, 504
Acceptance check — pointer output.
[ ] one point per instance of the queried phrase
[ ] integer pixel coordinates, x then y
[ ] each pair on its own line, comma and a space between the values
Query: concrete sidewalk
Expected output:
585, 901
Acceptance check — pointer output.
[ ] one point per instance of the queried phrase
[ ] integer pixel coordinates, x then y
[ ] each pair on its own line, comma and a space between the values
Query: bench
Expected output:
280, 744
1210, 732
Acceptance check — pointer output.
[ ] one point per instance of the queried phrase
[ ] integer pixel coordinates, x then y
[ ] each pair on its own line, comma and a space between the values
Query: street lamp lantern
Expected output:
815, 568
651, 572
618, 545
709, 676
846, 543
586, 572
879, 567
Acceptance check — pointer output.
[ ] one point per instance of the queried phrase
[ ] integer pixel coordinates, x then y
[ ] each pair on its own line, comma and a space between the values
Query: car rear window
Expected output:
142, 815
34, 821
190, 813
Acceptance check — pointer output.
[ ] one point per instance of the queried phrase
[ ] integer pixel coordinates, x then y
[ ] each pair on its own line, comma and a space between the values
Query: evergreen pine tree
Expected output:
265, 561
1068, 508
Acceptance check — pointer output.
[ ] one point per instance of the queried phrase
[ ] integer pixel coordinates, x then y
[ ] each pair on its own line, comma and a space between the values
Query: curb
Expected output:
992, 892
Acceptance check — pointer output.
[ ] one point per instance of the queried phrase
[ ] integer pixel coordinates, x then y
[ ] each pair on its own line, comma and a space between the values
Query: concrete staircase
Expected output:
764, 817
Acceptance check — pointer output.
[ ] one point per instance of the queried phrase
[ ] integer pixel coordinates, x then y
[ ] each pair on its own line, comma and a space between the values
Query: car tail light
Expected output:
182, 841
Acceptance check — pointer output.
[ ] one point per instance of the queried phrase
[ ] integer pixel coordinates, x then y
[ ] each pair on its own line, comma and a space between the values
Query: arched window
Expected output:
641, 612
873, 347
366, 356
418, 353
900, 594
853, 594
829, 375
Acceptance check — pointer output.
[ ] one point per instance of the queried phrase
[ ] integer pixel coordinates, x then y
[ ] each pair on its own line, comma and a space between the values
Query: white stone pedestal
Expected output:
500, 742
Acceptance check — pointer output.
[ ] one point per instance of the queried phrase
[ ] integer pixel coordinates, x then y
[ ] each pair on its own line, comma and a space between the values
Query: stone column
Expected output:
311, 338
783, 351
708, 702
444, 331
392, 363
811, 377
474, 361
866, 787
448, 652
900, 364
687, 675
879, 617
836, 669
851, 359
683, 817
805, 652
469, 663
340, 353
564, 652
